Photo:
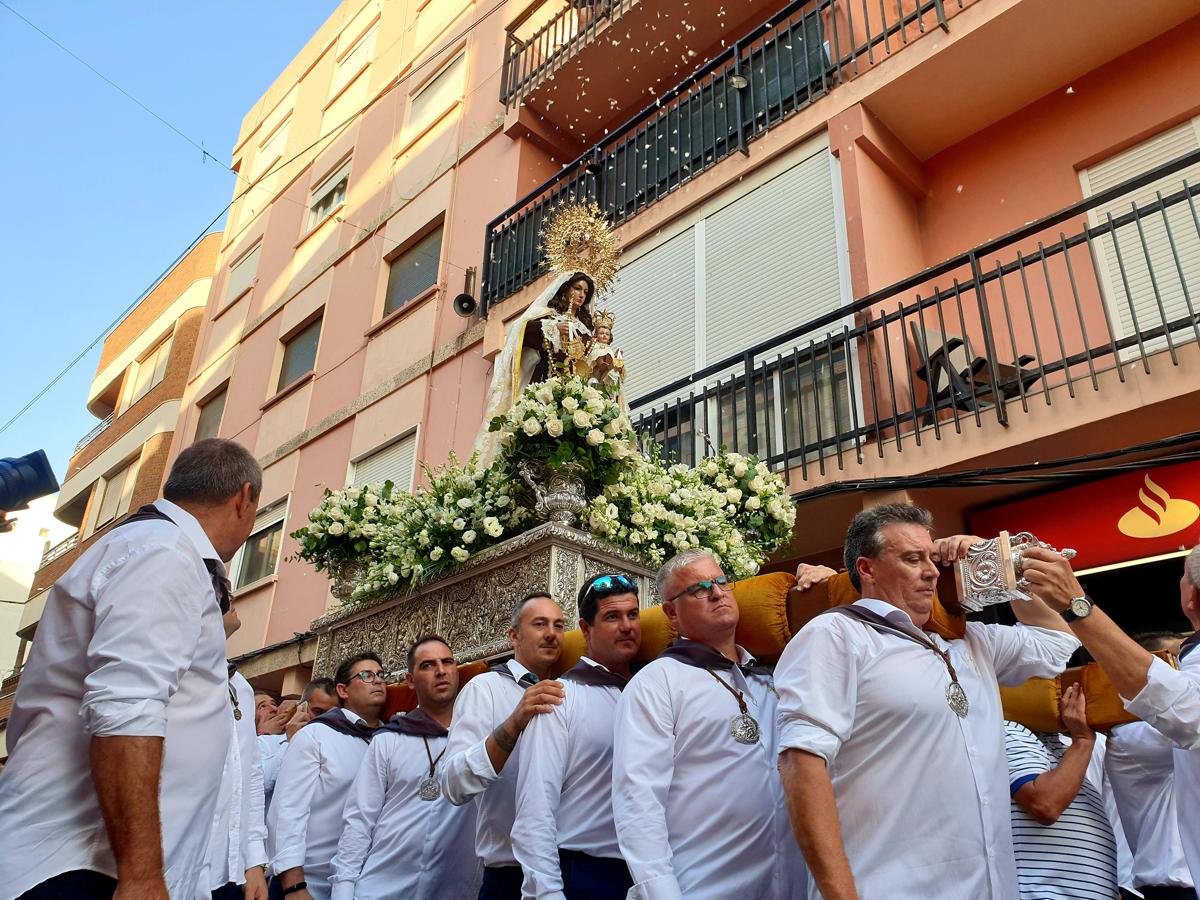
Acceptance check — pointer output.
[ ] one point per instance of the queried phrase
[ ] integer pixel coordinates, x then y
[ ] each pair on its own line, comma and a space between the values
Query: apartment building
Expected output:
880, 245
122, 462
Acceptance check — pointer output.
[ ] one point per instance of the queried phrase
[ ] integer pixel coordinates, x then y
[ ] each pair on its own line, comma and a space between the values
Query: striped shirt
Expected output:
1076, 857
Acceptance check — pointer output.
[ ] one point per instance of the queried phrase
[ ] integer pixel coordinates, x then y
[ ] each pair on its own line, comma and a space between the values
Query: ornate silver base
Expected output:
471, 606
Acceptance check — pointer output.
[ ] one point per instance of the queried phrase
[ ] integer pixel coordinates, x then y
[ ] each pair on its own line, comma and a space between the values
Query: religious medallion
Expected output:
744, 728
237, 714
956, 697
429, 789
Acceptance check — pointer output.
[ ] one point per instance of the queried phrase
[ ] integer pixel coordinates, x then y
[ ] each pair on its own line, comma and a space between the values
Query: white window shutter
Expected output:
771, 260
654, 300
395, 462
1156, 256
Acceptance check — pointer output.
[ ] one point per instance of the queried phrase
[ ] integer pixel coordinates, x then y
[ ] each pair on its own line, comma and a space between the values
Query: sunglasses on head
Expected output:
612, 584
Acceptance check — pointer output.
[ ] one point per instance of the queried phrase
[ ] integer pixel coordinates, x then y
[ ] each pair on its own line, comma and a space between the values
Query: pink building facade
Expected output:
843, 247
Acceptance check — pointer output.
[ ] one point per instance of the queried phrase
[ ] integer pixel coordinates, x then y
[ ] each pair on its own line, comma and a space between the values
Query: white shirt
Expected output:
305, 819
1098, 777
1170, 702
467, 773
130, 644
564, 788
1074, 857
239, 833
271, 748
1141, 772
699, 815
873, 706
394, 844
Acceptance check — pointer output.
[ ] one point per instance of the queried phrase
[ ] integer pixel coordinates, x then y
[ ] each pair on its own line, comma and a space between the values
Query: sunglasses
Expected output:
703, 590
612, 583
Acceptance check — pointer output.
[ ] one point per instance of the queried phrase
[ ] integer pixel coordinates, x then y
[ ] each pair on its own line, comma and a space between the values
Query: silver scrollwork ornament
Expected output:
429, 789
744, 728
990, 573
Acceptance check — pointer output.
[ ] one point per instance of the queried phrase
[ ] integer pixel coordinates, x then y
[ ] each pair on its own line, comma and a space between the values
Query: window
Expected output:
394, 463
328, 195
146, 374
209, 423
1148, 269
437, 96
434, 16
241, 274
299, 354
413, 271
259, 556
272, 149
116, 490
355, 59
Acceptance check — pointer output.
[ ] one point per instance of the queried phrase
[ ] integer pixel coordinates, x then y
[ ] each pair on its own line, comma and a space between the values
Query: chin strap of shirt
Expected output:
220, 583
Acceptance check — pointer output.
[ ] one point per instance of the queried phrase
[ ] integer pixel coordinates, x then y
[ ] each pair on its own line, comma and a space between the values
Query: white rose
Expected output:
740, 468
757, 484
531, 427
611, 428
595, 406
469, 537
733, 495
503, 501
581, 419
570, 404
336, 513
544, 394
753, 503
465, 503
459, 554
392, 578
492, 526
554, 427
436, 553
337, 529
459, 524
611, 511
595, 437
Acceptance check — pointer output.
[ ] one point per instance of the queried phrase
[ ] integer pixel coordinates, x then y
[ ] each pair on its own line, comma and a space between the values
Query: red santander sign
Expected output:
1142, 513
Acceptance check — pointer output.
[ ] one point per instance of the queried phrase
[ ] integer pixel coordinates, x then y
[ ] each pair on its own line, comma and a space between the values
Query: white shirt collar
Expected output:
190, 527
744, 656
518, 670
592, 662
351, 715
887, 610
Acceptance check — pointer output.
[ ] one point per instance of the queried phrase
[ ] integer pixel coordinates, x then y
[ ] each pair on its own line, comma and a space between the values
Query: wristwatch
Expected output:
1080, 608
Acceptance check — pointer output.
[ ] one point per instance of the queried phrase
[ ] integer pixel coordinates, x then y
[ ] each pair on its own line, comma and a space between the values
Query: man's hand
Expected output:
1050, 577
538, 699
256, 884
154, 889
808, 576
949, 550
299, 720
1074, 715
278, 723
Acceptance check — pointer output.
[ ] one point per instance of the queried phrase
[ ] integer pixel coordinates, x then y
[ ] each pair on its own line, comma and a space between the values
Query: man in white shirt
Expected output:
564, 836
1062, 839
401, 837
270, 720
893, 738
1140, 768
237, 853
483, 755
121, 722
322, 760
697, 800
1166, 698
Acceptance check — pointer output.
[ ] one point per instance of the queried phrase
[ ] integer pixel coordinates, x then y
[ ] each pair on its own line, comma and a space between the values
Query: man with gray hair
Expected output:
892, 739
697, 800
1166, 698
482, 754
122, 721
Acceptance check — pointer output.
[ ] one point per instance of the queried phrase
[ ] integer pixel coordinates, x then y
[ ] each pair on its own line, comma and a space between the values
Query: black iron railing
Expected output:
94, 433
1035, 316
759, 81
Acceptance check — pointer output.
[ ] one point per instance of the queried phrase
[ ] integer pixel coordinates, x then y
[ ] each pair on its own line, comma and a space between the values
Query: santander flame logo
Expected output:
1158, 513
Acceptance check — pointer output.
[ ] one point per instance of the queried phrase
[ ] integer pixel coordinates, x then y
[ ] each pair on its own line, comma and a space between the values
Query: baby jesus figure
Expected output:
606, 363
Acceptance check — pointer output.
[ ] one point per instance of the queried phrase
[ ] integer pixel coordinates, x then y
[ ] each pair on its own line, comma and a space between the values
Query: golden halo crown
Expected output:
604, 319
578, 239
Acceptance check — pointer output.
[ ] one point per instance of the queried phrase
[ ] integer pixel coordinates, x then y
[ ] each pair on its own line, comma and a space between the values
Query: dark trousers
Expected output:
587, 877
229, 891
1163, 893
81, 884
501, 883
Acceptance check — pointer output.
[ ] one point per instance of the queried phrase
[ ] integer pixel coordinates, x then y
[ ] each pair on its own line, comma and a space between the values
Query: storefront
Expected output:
1131, 532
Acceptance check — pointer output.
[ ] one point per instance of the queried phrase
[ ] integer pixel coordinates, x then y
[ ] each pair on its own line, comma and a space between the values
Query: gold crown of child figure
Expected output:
604, 319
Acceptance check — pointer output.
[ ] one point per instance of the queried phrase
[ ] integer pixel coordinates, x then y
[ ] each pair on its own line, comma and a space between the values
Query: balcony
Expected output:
759, 81
60, 549
94, 433
1082, 303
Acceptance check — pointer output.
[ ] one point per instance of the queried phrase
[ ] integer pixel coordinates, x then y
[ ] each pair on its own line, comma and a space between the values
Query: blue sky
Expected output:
101, 196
